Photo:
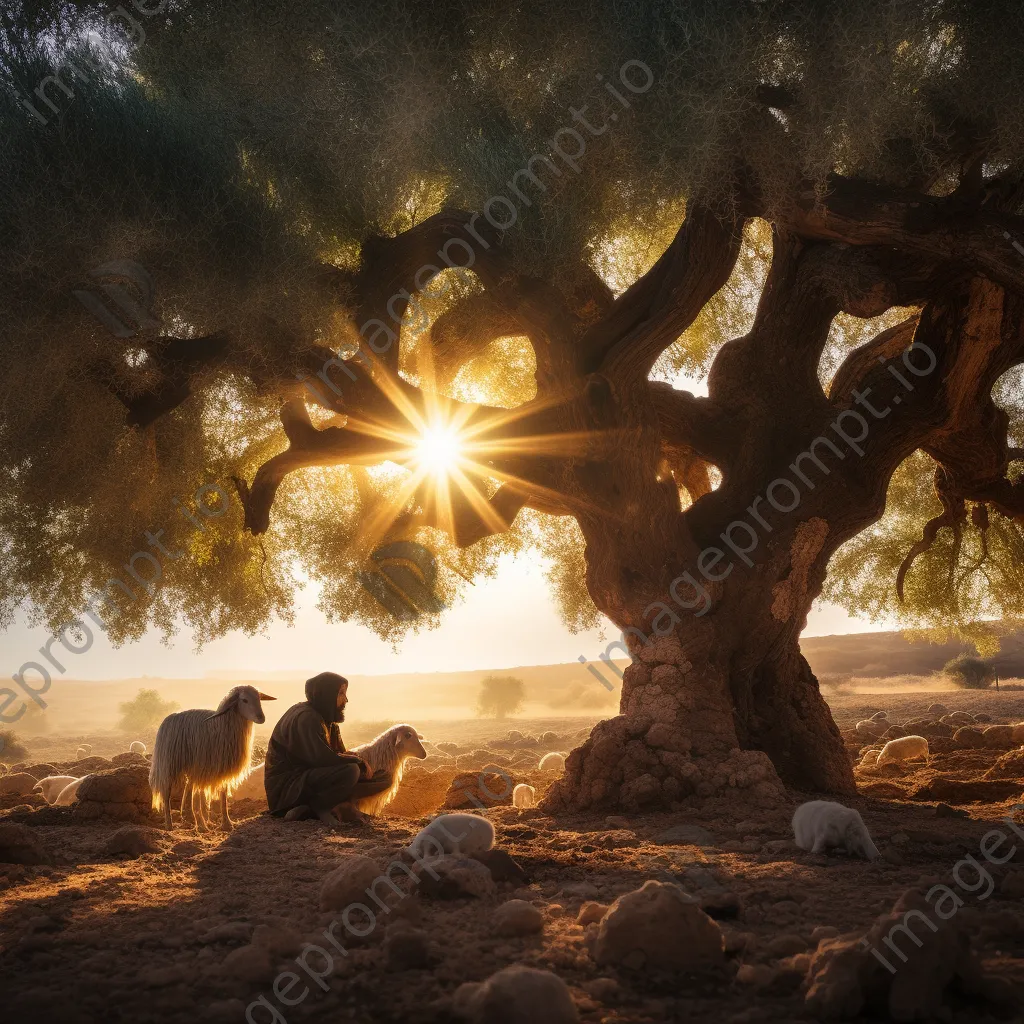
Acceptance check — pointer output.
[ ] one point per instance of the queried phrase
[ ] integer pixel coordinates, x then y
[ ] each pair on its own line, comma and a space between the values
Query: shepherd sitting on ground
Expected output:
308, 772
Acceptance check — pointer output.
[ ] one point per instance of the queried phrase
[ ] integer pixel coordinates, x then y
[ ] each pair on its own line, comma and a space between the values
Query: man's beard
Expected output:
339, 715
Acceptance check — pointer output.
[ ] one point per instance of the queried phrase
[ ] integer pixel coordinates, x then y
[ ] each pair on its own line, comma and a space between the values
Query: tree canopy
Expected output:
282, 171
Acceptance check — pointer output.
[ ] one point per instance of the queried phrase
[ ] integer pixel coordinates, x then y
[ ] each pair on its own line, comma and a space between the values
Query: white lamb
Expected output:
553, 762
822, 825
524, 796
137, 747
52, 785
461, 834
905, 748
69, 794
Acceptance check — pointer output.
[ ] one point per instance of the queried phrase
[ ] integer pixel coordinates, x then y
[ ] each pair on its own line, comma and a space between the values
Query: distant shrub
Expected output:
969, 672
12, 750
836, 682
146, 712
500, 696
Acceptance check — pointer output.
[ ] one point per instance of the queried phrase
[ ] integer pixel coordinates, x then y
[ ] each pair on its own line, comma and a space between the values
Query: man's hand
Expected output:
364, 767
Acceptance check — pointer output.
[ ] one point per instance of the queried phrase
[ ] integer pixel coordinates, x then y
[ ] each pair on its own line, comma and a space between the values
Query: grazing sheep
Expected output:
52, 785
137, 747
958, 718
514, 735
553, 762
822, 825
937, 710
69, 794
905, 748
82, 752
461, 834
869, 728
389, 751
999, 736
869, 758
880, 716
524, 796
209, 751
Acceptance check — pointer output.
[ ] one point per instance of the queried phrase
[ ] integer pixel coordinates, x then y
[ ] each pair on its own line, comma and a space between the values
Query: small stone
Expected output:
757, 975
233, 931
584, 890
406, 948
133, 841
617, 821
252, 964
591, 912
785, 945
517, 995
517, 917
721, 906
452, 878
348, 882
685, 835
187, 848
945, 811
604, 990
662, 923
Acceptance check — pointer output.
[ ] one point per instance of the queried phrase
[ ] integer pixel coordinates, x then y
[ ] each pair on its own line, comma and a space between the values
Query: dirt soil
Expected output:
200, 928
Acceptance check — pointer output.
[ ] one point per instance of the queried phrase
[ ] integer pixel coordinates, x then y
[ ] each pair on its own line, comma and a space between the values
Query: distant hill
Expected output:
890, 654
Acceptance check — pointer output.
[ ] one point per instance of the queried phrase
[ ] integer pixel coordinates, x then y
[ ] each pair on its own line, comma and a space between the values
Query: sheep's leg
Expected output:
165, 797
225, 821
199, 809
819, 845
186, 804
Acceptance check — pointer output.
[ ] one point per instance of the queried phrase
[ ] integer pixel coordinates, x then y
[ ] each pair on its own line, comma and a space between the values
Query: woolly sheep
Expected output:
999, 736
137, 747
938, 710
388, 752
880, 716
553, 762
461, 834
209, 751
69, 794
869, 758
903, 749
957, 718
870, 728
82, 752
52, 785
822, 825
524, 796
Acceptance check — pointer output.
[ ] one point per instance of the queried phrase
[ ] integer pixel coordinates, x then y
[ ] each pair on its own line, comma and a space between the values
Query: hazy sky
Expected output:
505, 621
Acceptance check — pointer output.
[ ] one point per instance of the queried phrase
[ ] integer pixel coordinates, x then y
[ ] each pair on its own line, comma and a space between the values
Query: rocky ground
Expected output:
112, 919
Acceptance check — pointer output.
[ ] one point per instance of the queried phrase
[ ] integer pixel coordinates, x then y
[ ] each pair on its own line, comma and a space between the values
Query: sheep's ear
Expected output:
265, 696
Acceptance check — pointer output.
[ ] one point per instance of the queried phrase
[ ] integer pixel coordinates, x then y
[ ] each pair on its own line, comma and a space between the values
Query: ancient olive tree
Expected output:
427, 272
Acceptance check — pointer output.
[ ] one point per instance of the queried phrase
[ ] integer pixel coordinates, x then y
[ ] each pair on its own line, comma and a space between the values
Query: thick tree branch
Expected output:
652, 314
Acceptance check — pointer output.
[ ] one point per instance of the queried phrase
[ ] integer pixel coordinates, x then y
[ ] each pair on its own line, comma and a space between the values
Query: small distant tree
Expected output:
12, 750
500, 696
146, 712
969, 672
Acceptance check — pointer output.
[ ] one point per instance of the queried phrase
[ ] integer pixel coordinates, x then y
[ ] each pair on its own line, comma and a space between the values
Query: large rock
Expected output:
658, 926
129, 757
969, 738
845, 976
122, 793
19, 845
516, 995
479, 789
88, 765
41, 770
348, 882
17, 784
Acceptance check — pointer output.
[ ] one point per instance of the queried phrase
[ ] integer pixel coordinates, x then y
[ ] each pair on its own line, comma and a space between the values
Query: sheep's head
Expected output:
407, 742
246, 700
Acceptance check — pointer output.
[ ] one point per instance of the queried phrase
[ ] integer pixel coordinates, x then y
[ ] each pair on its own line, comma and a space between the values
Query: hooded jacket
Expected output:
306, 737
